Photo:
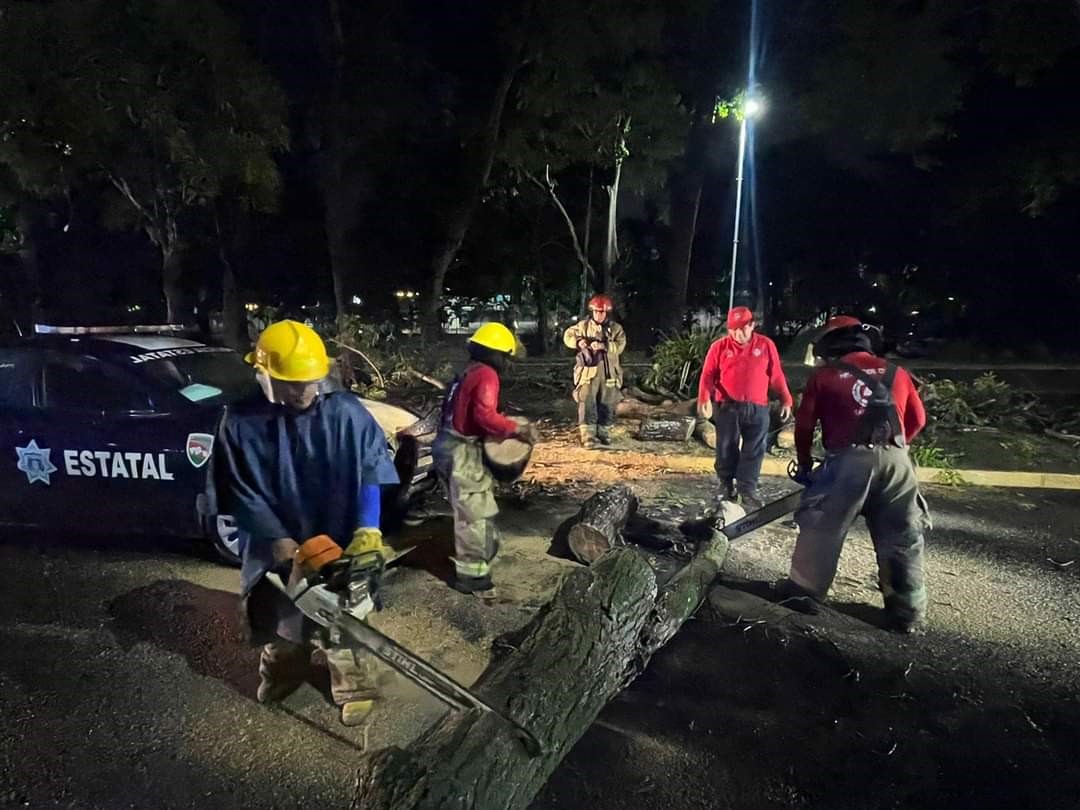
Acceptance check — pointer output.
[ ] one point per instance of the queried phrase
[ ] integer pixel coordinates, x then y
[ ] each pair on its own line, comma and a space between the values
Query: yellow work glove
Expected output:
367, 541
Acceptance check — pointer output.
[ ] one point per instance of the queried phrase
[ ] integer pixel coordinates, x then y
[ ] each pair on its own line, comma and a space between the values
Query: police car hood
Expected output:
391, 418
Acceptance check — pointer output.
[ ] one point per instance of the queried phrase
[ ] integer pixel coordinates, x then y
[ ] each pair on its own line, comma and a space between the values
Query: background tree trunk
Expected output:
605, 621
455, 222
29, 290
172, 271
611, 242
686, 186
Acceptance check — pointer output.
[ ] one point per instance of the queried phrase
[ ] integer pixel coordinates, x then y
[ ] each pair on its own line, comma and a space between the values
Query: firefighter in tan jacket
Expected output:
599, 343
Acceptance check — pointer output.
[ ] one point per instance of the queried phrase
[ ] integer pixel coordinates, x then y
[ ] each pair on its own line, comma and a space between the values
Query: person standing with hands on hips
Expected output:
599, 342
740, 369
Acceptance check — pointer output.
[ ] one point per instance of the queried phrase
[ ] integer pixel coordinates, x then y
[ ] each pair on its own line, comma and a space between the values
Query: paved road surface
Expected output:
124, 681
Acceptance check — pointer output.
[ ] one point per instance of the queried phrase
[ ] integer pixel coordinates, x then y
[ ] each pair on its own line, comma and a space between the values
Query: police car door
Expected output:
22, 465
111, 473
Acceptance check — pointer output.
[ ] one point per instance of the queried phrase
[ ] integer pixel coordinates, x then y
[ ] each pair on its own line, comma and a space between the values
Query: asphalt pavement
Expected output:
125, 680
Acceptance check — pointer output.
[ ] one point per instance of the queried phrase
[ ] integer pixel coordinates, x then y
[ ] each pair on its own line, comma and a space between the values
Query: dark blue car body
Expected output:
114, 433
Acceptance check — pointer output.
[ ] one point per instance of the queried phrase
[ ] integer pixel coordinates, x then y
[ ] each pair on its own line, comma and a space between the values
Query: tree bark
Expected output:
29, 292
611, 243
539, 287
172, 270
686, 187
455, 221
666, 429
605, 621
586, 241
342, 195
601, 519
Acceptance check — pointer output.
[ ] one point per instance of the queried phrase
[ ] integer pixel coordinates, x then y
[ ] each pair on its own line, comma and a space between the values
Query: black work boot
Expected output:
481, 587
750, 502
603, 435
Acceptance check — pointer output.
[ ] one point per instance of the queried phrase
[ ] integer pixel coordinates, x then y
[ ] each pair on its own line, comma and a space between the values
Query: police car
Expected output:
112, 430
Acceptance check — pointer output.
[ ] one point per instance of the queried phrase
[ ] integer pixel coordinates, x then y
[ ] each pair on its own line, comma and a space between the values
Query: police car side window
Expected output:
17, 370
87, 385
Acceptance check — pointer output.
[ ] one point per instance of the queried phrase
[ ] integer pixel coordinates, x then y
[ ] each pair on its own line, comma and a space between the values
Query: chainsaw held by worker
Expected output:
772, 511
339, 595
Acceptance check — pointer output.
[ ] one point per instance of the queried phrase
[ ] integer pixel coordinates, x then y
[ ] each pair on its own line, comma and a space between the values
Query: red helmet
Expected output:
839, 322
601, 303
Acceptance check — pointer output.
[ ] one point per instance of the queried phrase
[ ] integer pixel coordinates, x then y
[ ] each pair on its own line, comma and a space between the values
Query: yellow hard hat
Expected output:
292, 352
495, 336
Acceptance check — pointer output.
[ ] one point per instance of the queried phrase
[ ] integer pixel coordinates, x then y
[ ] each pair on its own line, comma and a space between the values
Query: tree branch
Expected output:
548, 185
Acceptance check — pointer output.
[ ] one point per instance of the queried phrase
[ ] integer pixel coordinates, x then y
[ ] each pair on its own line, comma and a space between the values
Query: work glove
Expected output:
367, 541
598, 346
528, 432
704, 409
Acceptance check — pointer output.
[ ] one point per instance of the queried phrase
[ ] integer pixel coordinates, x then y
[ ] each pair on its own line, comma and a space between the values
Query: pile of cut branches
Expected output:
989, 402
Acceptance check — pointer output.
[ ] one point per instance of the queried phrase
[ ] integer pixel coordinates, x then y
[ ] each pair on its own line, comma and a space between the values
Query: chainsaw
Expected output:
774, 510
339, 598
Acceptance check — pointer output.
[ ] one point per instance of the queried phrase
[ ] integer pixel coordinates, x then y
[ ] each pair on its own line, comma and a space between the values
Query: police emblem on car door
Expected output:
199, 448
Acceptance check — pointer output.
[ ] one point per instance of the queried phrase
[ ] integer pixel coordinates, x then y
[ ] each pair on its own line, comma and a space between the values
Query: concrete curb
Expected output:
678, 463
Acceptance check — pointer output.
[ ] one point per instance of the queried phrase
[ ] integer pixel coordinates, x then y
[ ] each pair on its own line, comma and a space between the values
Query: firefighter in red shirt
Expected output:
470, 414
739, 371
869, 412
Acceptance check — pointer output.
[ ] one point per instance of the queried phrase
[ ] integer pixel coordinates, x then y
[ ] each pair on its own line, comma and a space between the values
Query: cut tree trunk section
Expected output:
666, 429
598, 524
584, 647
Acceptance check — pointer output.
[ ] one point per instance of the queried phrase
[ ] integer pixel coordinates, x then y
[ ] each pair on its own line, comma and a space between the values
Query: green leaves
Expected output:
160, 98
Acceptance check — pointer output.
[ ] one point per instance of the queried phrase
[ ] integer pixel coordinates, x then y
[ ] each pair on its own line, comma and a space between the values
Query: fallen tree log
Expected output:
666, 429
705, 432
599, 522
585, 646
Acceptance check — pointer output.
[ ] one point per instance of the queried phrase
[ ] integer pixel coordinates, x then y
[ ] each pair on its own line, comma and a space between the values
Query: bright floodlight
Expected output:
753, 107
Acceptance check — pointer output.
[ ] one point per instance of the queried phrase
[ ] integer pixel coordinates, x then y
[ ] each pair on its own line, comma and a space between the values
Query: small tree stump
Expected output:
666, 429
601, 519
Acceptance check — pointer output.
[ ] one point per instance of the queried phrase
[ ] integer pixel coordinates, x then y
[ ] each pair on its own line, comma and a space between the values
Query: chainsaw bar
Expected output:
763, 516
357, 633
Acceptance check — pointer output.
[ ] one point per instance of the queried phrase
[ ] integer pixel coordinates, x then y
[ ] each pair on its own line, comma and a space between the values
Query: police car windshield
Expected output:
205, 379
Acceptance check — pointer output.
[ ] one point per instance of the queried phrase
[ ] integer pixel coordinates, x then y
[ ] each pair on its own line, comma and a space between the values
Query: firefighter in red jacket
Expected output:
739, 371
869, 412
471, 414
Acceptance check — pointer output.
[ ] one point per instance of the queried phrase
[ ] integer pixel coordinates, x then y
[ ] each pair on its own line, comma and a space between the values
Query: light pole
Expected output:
752, 108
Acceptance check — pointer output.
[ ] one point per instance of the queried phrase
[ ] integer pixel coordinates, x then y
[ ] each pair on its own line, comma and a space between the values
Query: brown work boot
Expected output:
585, 431
355, 712
283, 668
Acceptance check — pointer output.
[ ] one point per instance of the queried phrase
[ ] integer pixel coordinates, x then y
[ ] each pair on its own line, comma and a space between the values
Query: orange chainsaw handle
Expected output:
315, 553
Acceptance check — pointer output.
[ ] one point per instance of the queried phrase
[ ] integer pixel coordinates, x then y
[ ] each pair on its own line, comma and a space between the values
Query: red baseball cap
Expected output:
738, 317
840, 322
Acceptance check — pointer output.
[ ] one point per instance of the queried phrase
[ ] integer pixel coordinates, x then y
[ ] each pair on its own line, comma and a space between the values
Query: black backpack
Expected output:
880, 423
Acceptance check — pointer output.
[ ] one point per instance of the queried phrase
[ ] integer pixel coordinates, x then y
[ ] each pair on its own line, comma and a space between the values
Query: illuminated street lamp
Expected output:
752, 107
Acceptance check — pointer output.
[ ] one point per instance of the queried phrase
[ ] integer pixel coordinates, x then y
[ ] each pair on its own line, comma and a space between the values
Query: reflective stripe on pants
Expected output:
472, 497
880, 484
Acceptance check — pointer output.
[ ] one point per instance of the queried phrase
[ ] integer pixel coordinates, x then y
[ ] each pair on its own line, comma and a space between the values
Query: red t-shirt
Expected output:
743, 372
838, 400
476, 405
